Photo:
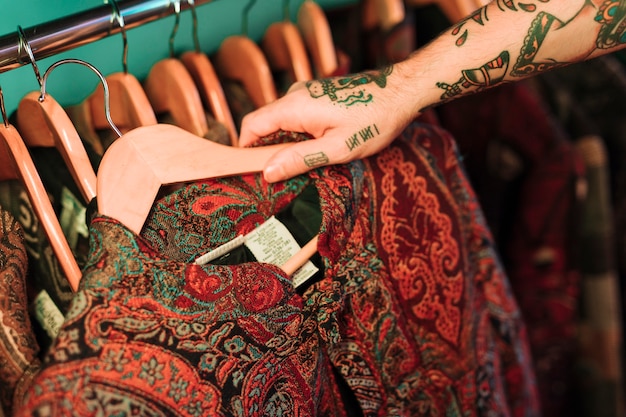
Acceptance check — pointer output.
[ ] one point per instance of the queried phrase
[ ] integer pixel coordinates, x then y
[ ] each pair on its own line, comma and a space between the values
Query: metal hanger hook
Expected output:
176, 24
117, 15
194, 17
25, 45
286, 6
245, 17
3, 110
107, 108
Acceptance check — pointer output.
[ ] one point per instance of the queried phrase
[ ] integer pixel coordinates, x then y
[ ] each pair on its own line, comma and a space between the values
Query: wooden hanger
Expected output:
240, 59
455, 10
210, 89
130, 107
317, 36
138, 164
208, 84
383, 14
285, 50
171, 89
45, 123
17, 163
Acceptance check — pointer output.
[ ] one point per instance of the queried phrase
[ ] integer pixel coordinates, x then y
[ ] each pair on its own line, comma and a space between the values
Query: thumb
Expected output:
257, 124
304, 156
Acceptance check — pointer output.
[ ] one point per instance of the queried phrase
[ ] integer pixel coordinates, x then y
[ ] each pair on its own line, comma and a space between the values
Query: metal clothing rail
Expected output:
72, 31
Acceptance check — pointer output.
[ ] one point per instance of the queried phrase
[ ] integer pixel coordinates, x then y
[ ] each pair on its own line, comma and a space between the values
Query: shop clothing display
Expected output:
413, 311
599, 364
18, 347
587, 99
527, 176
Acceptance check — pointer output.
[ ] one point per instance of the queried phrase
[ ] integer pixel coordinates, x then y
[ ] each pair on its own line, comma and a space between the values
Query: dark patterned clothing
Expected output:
18, 347
526, 175
413, 310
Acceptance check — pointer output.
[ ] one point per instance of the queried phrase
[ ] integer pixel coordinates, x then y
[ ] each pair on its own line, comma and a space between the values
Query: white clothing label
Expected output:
72, 218
272, 242
48, 314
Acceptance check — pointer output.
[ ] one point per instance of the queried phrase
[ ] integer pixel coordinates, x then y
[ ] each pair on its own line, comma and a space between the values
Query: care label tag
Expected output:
48, 314
272, 242
73, 217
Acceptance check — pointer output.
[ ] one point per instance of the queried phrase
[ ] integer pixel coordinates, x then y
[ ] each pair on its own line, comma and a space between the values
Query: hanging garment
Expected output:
526, 174
18, 346
412, 311
588, 99
44, 271
599, 363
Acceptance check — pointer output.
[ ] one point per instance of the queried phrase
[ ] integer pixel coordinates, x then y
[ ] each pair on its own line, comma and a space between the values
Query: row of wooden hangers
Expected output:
148, 155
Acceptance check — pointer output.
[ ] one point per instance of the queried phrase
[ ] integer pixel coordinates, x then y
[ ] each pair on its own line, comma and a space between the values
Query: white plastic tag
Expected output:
72, 218
48, 314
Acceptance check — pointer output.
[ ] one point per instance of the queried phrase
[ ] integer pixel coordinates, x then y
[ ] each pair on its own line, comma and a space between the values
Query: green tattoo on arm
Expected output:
348, 90
612, 18
477, 79
537, 53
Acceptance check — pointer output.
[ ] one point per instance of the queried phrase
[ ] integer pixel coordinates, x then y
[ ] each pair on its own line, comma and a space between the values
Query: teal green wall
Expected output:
70, 84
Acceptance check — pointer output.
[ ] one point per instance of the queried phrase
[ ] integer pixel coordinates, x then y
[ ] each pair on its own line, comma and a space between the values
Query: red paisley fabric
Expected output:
413, 313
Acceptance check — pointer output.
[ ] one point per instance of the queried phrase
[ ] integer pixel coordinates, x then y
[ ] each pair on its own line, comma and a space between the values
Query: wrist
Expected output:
415, 88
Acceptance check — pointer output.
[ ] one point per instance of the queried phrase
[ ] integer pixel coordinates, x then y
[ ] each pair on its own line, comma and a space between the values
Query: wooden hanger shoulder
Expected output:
239, 58
317, 36
285, 51
15, 156
45, 123
135, 167
211, 92
129, 104
383, 14
454, 10
171, 89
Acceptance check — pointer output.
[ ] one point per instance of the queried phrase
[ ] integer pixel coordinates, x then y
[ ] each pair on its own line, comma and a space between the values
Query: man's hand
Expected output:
350, 117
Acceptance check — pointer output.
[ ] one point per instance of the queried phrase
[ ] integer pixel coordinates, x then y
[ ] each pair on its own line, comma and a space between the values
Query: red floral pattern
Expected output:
413, 311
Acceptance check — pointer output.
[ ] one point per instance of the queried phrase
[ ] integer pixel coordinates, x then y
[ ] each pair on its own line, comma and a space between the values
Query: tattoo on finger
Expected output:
316, 159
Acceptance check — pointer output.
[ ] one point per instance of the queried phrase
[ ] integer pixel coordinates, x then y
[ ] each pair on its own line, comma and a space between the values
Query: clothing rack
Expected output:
81, 28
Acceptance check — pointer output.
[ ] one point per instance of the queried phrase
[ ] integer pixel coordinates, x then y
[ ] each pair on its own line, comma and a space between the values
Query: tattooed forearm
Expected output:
362, 136
476, 79
549, 41
316, 159
538, 31
349, 90
612, 18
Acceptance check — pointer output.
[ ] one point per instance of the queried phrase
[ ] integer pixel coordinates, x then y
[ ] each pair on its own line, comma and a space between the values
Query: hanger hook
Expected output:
286, 5
117, 15
194, 17
244, 17
3, 110
25, 45
107, 109
175, 29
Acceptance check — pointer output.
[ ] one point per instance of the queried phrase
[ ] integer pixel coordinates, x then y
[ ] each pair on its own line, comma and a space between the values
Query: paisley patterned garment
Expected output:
413, 312
18, 346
